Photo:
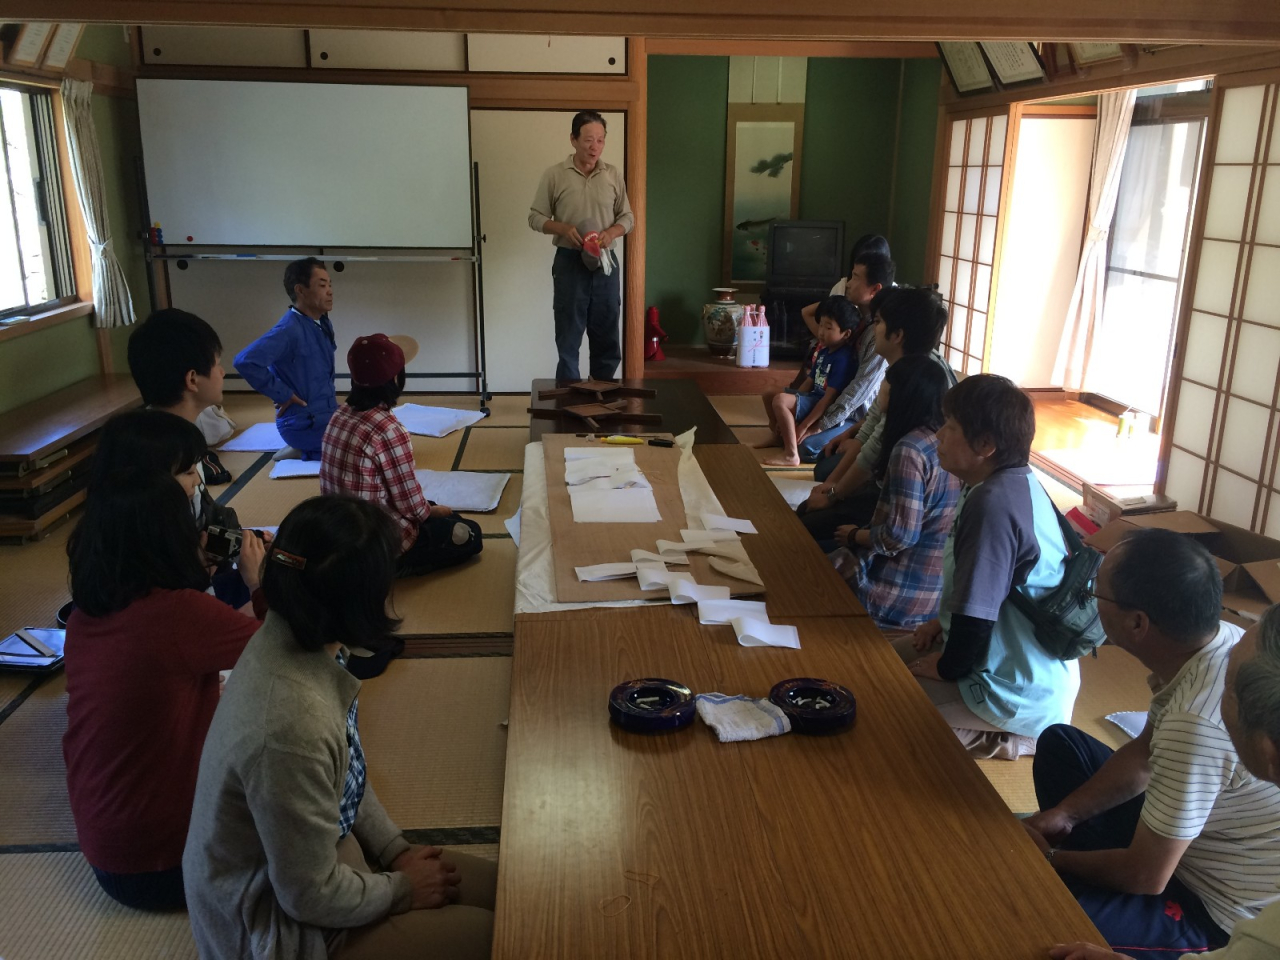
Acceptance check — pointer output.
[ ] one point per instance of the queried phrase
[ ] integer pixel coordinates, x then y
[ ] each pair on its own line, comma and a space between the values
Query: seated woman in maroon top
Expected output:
144, 647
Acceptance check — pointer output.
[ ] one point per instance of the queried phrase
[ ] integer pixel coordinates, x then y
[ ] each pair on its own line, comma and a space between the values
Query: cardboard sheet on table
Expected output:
463, 489
585, 544
630, 505
434, 421
257, 438
288, 469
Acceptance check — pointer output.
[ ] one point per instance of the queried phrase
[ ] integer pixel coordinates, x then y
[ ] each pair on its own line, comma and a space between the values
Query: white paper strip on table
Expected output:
257, 438
605, 571
686, 591
757, 633
654, 576
286, 469
723, 611
713, 521
462, 489
707, 536
434, 421
648, 556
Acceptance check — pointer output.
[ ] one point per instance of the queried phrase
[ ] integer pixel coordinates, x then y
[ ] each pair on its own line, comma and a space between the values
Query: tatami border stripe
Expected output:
239, 483
39, 848
21, 698
454, 836
462, 448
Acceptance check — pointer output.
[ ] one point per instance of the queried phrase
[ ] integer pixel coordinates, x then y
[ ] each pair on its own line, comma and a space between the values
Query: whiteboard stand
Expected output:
158, 254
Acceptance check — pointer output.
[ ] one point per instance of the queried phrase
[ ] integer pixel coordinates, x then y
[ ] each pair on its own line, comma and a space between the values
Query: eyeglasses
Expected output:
1093, 592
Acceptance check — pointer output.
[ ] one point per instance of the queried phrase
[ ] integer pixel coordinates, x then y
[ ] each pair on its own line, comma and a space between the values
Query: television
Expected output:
805, 253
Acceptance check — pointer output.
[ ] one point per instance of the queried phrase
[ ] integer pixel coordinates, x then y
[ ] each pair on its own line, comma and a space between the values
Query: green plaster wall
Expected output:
847, 168
40, 363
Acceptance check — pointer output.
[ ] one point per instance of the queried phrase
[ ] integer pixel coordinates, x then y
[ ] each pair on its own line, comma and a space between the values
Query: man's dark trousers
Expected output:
587, 301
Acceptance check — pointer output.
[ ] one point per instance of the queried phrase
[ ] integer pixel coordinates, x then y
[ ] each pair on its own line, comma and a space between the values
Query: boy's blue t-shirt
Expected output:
833, 369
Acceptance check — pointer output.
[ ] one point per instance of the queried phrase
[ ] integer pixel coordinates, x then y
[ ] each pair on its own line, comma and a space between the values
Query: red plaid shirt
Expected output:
368, 454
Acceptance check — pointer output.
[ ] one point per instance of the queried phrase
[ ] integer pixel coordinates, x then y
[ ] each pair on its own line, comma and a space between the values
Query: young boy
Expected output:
176, 361
792, 415
908, 322
367, 454
871, 276
292, 363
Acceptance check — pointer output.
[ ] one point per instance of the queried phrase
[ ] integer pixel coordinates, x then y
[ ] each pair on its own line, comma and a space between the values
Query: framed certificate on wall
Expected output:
966, 67
1014, 63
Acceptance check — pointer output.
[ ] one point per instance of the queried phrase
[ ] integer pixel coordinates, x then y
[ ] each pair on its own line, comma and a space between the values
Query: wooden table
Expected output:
885, 841
680, 402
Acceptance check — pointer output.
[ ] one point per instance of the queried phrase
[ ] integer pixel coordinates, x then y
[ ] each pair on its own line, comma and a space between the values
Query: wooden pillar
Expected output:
633, 304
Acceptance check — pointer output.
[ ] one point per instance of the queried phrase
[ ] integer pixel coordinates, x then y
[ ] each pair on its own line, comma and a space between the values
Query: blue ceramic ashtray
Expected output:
651, 705
815, 706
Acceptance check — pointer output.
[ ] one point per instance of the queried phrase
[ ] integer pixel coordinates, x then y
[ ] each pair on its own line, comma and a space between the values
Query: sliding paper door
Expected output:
1221, 446
966, 245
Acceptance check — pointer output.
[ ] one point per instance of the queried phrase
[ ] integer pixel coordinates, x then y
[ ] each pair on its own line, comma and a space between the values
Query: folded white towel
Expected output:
741, 718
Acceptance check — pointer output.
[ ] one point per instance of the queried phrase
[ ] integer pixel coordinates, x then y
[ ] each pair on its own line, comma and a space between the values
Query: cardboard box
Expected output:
1102, 506
1249, 562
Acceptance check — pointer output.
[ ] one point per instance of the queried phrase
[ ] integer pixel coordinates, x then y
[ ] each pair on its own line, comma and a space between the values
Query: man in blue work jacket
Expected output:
292, 363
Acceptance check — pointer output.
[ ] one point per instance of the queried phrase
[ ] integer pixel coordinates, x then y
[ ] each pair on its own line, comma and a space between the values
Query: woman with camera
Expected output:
144, 647
290, 854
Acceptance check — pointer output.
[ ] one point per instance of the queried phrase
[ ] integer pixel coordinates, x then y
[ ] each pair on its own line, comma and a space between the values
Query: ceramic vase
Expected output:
720, 321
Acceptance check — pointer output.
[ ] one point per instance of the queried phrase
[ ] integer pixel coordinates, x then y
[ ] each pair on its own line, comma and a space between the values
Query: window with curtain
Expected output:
1221, 446
35, 250
975, 168
1148, 242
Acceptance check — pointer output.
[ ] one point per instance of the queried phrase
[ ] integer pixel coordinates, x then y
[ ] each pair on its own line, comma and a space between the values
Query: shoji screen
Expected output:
975, 154
1222, 444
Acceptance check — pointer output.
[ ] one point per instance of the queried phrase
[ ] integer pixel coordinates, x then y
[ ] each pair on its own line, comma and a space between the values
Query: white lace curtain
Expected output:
112, 305
1084, 315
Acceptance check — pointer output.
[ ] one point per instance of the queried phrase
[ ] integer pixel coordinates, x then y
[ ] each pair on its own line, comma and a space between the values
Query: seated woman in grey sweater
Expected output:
289, 853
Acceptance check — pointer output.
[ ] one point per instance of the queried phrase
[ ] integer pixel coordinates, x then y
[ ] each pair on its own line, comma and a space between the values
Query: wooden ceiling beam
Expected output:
1175, 21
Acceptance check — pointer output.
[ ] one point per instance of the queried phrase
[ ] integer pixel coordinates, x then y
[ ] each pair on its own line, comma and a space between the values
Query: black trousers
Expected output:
857, 508
435, 549
159, 890
587, 301
1170, 924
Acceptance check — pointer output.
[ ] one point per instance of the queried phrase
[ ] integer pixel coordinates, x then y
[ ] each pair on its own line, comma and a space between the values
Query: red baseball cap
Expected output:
377, 359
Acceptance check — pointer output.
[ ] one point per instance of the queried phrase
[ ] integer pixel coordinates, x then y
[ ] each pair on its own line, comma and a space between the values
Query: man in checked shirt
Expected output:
367, 454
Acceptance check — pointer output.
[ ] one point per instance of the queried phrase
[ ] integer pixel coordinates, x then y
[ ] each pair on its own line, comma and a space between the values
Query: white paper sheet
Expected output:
615, 454
707, 536
434, 421
648, 556
723, 611
758, 633
654, 576
257, 438
684, 590
632, 505
621, 479
513, 527
605, 571
1130, 721
580, 471
795, 492
285, 469
463, 490
713, 521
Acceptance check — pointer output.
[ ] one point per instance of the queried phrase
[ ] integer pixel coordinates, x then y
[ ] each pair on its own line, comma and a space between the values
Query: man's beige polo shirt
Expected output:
567, 195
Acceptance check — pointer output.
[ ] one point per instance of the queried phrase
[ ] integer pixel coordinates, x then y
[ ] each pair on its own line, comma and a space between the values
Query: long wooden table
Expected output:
681, 404
885, 841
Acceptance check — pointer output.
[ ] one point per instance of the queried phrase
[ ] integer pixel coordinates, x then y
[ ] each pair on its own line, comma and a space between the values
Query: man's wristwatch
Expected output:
1048, 854
831, 493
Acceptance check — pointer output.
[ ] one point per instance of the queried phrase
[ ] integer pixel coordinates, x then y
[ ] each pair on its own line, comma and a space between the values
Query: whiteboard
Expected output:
241, 163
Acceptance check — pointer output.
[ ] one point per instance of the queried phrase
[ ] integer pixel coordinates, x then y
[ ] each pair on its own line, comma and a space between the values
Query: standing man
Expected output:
292, 363
582, 203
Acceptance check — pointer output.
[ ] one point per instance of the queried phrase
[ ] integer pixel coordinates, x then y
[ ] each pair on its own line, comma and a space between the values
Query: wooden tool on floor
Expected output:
593, 413
598, 389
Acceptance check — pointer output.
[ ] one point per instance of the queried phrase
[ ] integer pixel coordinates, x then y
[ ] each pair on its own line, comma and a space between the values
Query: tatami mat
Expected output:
436, 453
236, 462
33, 579
495, 448
492, 522
739, 411
12, 684
486, 851
33, 786
504, 411
433, 735
476, 597
265, 502
754, 435
51, 908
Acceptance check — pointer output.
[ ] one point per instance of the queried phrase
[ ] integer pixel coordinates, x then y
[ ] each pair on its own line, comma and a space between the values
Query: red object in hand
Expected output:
591, 244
